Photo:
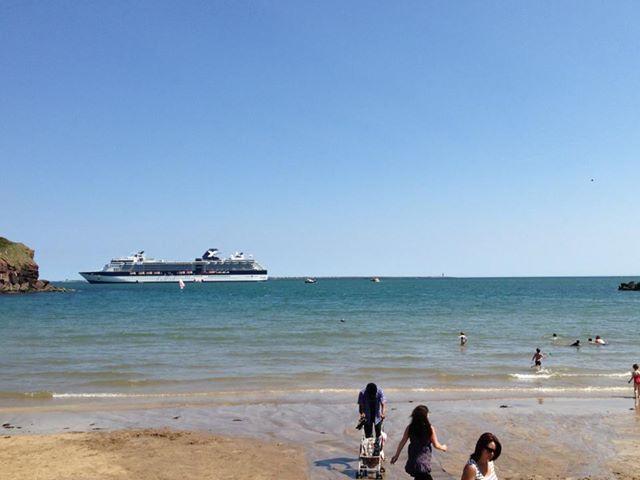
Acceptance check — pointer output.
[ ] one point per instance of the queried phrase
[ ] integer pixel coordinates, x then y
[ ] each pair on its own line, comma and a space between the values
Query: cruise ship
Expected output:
137, 268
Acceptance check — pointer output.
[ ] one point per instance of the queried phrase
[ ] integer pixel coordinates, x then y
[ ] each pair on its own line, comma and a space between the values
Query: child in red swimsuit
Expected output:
635, 378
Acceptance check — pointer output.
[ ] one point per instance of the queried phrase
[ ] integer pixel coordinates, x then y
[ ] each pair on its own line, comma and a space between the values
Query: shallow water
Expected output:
286, 336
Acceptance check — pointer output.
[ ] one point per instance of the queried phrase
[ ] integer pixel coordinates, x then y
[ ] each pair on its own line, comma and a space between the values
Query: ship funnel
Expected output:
210, 254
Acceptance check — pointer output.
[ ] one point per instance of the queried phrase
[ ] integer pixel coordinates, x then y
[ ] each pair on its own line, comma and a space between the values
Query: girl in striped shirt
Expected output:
480, 464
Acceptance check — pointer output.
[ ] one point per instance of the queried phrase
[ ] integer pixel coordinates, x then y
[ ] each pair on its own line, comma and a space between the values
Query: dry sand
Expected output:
152, 454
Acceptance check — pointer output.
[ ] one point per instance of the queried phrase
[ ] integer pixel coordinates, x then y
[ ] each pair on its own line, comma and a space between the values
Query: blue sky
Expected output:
327, 138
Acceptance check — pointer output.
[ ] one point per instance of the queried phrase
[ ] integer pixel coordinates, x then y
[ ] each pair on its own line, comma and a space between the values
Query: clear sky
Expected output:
326, 138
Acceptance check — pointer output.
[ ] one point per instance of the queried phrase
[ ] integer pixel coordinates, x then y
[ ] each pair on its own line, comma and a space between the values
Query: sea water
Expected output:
288, 337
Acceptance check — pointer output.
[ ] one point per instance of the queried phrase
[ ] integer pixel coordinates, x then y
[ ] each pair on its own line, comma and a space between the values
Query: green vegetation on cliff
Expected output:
19, 273
15, 254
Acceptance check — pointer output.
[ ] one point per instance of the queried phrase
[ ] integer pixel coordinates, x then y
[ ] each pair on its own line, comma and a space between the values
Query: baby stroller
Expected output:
371, 457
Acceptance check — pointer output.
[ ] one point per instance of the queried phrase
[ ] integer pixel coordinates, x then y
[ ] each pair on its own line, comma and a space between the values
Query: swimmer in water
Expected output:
599, 340
575, 344
537, 359
463, 339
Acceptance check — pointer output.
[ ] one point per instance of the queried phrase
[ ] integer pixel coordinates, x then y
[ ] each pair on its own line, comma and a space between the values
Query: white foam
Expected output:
350, 391
542, 374
97, 395
532, 376
524, 389
131, 395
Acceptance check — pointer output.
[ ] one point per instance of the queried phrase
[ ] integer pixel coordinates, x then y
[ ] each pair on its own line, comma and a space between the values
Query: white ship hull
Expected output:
99, 278
137, 268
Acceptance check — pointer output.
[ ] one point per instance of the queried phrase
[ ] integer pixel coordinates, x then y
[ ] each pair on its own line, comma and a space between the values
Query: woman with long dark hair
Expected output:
423, 438
480, 464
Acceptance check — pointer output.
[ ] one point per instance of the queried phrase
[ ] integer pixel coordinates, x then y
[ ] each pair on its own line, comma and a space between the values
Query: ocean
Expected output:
284, 337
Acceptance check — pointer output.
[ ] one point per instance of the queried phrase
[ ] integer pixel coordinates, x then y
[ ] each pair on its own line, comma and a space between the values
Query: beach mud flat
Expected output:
542, 438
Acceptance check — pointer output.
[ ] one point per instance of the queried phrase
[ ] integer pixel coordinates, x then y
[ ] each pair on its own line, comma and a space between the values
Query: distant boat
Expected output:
181, 283
375, 280
310, 280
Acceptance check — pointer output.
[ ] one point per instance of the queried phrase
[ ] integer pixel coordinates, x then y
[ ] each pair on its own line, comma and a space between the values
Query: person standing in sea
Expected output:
480, 465
371, 405
537, 359
635, 378
423, 438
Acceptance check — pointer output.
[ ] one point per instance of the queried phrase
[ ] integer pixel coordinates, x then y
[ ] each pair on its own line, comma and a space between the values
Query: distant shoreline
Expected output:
416, 277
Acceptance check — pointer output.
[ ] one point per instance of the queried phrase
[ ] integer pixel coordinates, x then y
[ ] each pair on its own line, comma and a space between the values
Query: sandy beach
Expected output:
145, 455
543, 438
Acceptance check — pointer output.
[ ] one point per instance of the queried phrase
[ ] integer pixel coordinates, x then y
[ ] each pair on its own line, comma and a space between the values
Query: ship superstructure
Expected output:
137, 268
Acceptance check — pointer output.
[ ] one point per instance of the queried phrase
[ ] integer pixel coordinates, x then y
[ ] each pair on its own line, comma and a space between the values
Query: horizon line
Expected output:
425, 277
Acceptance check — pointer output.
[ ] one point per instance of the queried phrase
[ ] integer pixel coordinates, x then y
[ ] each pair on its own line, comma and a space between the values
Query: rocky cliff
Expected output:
18, 270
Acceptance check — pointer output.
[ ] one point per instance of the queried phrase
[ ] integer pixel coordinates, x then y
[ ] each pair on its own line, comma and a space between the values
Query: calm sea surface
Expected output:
286, 336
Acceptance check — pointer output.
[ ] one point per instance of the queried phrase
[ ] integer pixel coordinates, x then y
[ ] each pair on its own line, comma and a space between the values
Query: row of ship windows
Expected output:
183, 272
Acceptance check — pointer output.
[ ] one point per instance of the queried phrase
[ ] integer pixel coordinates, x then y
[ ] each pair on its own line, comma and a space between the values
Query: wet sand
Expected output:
545, 438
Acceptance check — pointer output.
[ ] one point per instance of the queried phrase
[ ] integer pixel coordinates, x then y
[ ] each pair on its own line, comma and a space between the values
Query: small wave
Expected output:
71, 374
613, 375
145, 395
404, 358
395, 370
524, 389
350, 391
105, 395
543, 374
532, 376
27, 395
133, 383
